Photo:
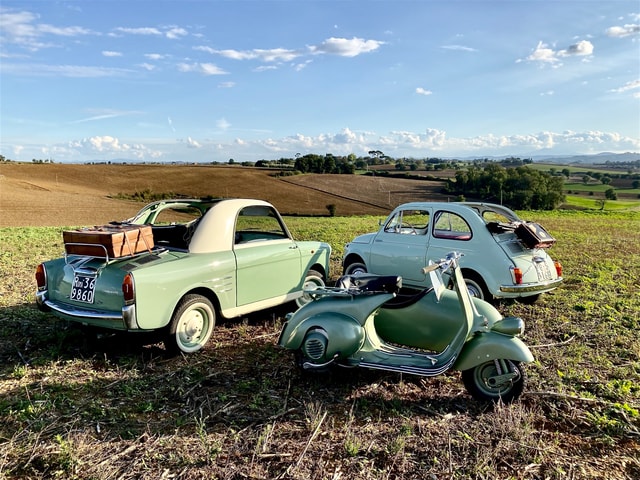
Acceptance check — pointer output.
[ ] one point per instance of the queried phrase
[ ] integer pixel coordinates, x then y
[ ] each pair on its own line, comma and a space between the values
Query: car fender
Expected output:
344, 334
489, 346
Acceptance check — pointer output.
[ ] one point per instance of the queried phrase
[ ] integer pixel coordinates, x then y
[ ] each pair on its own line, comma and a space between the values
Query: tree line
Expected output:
522, 188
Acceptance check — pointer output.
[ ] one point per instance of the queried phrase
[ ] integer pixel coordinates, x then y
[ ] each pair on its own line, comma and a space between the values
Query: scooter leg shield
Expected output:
491, 346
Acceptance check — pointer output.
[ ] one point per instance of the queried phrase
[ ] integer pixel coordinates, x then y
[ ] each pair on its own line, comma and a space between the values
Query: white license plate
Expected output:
543, 271
83, 289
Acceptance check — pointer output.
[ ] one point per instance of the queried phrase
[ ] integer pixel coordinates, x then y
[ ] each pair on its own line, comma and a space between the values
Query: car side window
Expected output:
451, 226
258, 223
408, 222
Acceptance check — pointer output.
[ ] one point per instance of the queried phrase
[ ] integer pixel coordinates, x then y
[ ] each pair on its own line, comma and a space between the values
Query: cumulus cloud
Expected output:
423, 91
623, 31
345, 47
582, 48
545, 55
107, 147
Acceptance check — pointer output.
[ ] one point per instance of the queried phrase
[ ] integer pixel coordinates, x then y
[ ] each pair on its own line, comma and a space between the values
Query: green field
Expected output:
118, 408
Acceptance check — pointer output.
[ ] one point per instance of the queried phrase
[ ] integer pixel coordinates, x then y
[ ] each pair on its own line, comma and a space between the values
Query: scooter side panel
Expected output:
490, 346
345, 335
428, 324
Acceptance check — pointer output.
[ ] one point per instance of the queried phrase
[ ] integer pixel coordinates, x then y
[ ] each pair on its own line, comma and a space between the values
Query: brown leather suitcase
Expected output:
533, 235
113, 241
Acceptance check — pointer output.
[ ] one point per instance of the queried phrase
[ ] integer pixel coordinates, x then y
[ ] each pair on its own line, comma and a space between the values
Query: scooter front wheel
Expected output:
495, 380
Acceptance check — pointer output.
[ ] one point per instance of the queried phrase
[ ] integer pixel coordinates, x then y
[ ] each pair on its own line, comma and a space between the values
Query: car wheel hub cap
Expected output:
192, 326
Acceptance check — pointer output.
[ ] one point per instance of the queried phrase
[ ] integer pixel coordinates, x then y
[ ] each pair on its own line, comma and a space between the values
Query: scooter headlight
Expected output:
509, 326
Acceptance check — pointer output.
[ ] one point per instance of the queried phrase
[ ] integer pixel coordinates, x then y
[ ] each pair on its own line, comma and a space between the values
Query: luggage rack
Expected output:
106, 256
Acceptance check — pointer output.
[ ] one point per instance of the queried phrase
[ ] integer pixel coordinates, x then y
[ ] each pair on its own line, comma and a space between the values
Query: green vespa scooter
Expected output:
364, 321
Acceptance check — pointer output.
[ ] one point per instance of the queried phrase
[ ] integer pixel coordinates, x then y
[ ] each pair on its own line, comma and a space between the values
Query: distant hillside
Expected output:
74, 194
599, 158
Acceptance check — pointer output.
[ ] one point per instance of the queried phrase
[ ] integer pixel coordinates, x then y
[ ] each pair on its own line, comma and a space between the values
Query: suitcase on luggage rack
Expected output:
112, 241
533, 235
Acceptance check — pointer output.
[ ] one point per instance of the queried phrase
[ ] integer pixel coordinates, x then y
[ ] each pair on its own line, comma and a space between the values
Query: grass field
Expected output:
119, 408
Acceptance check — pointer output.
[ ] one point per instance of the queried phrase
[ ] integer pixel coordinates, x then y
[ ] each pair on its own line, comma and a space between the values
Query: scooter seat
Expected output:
370, 283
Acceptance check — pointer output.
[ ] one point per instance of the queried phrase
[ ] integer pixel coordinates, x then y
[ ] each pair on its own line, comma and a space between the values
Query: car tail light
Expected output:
558, 268
128, 289
517, 276
41, 277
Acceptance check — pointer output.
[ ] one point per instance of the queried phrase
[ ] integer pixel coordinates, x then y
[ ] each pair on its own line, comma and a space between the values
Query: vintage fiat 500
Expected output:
205, 258
504, 256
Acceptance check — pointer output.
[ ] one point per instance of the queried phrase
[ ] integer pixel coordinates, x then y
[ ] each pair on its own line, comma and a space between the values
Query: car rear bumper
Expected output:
530, 288
123, 320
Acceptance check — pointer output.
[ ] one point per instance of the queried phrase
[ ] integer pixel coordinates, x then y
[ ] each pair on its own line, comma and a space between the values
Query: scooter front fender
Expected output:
489, 346
344, 334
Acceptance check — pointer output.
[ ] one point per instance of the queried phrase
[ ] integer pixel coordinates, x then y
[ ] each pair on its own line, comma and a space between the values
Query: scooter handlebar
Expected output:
444, 264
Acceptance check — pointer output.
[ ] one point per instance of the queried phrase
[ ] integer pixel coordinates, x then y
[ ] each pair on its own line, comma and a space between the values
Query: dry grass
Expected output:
116, 407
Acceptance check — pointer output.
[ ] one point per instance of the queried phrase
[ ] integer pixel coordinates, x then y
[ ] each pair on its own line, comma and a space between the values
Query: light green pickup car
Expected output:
210, 258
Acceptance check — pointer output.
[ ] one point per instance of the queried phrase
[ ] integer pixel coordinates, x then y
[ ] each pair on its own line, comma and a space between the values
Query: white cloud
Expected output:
109, 53
154, 56
222, 124
107, 147
623, 31
139, 31
545, 55
333, 46
191, 143
627, 86
263, 55
21, 28
71, 71
175, 33
423, 91
345, 47
582, 48
460, 48
203, 68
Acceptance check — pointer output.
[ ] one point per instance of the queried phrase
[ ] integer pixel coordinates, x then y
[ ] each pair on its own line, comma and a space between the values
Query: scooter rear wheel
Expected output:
486, 382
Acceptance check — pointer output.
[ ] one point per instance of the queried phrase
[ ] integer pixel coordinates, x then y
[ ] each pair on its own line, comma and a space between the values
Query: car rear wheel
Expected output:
355, 268
477, 287
191, 325
312, 281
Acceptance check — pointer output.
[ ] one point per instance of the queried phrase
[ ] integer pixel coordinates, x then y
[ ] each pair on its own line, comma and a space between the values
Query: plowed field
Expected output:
64, 194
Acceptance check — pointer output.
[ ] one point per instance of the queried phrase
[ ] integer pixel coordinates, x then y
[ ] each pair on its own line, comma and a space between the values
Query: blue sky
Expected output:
209, 81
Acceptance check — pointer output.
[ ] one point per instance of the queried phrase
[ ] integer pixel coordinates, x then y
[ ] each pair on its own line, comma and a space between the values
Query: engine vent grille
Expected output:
314, 348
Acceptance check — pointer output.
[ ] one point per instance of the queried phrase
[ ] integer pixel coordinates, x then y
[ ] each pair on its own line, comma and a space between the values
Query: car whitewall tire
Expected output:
191, 325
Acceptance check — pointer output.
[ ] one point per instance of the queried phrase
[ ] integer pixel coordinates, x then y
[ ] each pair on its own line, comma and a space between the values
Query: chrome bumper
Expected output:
532, 288
126, 318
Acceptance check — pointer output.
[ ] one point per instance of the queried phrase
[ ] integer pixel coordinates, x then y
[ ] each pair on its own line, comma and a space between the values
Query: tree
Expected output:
610, 194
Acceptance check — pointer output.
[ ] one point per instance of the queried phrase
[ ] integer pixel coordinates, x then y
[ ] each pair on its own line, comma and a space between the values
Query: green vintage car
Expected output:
210, 258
